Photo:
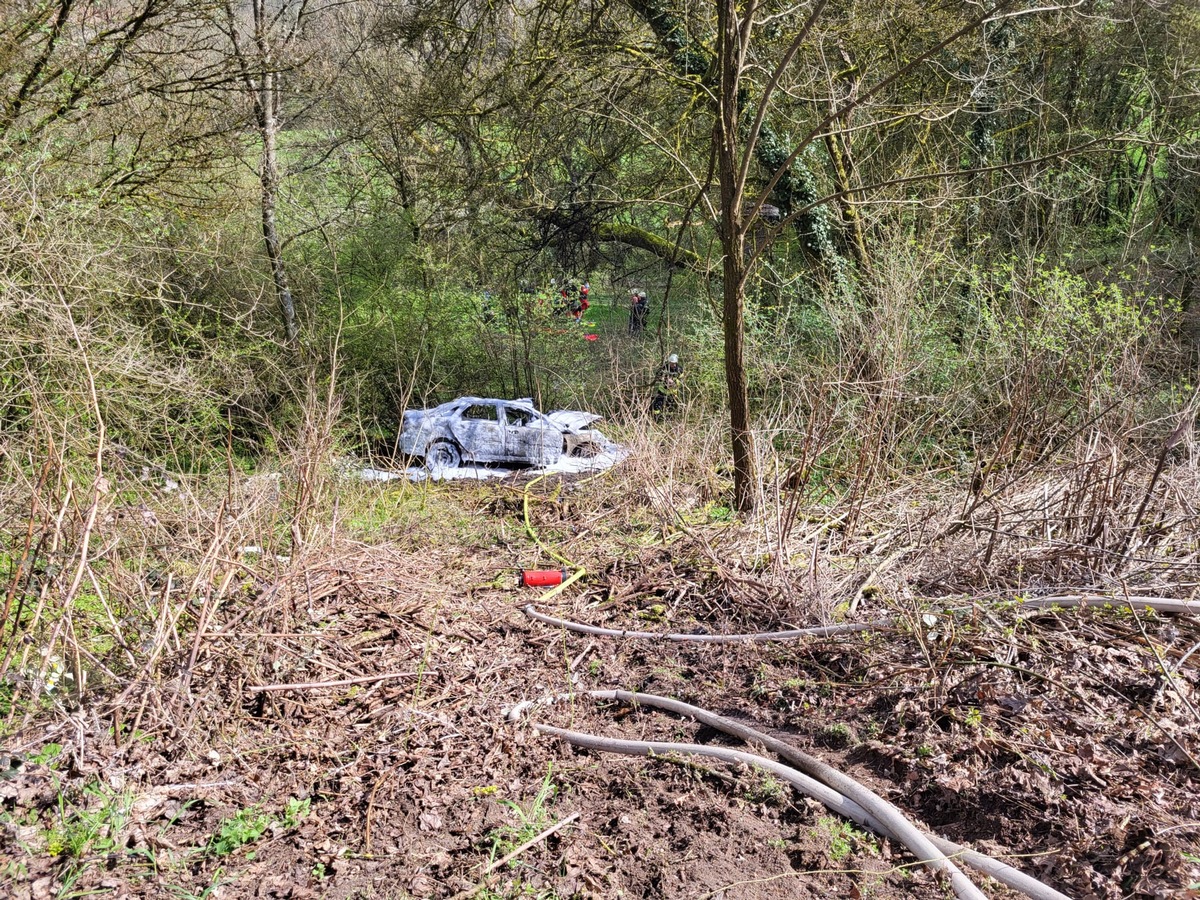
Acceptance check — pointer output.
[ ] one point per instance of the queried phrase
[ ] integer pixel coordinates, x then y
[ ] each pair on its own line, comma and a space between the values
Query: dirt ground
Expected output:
1065, 741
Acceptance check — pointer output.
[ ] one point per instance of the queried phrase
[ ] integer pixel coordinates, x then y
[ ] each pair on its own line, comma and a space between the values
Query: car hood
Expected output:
572, 419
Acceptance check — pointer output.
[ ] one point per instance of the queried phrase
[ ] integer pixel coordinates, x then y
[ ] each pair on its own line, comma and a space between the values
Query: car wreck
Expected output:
484, 430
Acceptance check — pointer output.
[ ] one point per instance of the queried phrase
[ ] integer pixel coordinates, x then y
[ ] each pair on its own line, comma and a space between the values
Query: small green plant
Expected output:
47, 756
763, 684
720, 513
843, 838
655, 612
247, 825
838, 735
839, 835
244, 827
974, 717
93, 826
530, 820
295, 811
764, 788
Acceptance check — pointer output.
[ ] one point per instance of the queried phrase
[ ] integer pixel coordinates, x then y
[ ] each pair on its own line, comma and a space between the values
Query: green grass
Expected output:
93, 826
532, 819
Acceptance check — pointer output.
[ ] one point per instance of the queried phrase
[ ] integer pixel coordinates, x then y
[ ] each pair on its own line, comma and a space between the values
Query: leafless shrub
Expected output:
113, 554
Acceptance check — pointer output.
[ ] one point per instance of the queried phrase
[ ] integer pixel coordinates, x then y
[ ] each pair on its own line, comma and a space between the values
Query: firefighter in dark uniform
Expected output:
666, 386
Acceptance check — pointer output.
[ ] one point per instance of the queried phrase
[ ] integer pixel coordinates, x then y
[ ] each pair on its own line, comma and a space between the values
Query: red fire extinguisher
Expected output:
542, 577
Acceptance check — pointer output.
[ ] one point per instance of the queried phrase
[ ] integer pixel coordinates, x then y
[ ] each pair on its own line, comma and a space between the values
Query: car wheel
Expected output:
585, 450
443, 455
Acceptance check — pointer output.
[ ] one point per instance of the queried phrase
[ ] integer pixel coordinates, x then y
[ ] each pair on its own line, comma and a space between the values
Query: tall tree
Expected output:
262, 52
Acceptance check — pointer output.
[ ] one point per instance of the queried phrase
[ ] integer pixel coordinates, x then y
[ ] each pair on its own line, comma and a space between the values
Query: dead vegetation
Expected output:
294, 684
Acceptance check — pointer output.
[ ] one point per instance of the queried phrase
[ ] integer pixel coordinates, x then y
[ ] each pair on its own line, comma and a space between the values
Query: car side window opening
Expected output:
484, 411
518, 418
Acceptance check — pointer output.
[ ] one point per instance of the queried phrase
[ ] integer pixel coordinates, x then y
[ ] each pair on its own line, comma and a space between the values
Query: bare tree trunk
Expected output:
266, 109
733, 243
268, 125
258, 69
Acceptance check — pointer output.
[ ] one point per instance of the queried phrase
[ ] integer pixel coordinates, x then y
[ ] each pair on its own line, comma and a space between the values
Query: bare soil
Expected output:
1066, 741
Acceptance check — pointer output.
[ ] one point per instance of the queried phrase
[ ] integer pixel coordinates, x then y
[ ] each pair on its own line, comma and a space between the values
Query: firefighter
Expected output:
638, 308
666, 386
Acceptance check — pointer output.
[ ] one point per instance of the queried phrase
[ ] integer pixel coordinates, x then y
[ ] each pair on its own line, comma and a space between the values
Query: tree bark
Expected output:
257, 68
733, 243
268, 125
841, 156
266, 109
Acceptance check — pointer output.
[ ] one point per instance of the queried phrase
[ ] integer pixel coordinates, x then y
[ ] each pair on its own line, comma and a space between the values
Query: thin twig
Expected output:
315, 685
482, 883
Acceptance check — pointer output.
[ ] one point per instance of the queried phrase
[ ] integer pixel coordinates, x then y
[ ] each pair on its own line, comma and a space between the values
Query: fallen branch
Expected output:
314, 685
761, 637
1159, 604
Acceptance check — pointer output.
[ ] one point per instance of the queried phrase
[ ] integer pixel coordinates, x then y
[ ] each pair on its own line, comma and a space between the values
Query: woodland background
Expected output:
932, 270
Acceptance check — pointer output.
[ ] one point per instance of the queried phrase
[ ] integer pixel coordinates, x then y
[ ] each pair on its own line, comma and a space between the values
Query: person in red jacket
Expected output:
582, 304
639, 307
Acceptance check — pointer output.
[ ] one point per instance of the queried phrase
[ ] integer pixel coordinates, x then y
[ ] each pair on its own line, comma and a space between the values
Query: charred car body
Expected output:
482, 430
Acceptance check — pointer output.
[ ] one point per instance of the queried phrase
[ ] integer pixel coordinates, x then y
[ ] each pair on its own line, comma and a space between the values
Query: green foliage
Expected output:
839, 735
413, 330
248, 825
47, 756
764, 788
244, 827
1071, 326
844, 838
1057, 345
295, 811
94, 326
90, 825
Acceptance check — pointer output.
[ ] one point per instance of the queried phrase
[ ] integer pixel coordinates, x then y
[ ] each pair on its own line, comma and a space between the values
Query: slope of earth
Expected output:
334, 724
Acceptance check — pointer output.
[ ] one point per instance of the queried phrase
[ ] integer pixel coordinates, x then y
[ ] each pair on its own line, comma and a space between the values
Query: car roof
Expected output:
523, 403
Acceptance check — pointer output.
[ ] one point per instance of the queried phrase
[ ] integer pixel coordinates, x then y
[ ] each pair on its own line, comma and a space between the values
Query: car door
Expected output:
529, 437
479, 430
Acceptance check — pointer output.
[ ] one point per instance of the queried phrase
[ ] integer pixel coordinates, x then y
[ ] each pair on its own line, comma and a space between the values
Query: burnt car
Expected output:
481, 430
